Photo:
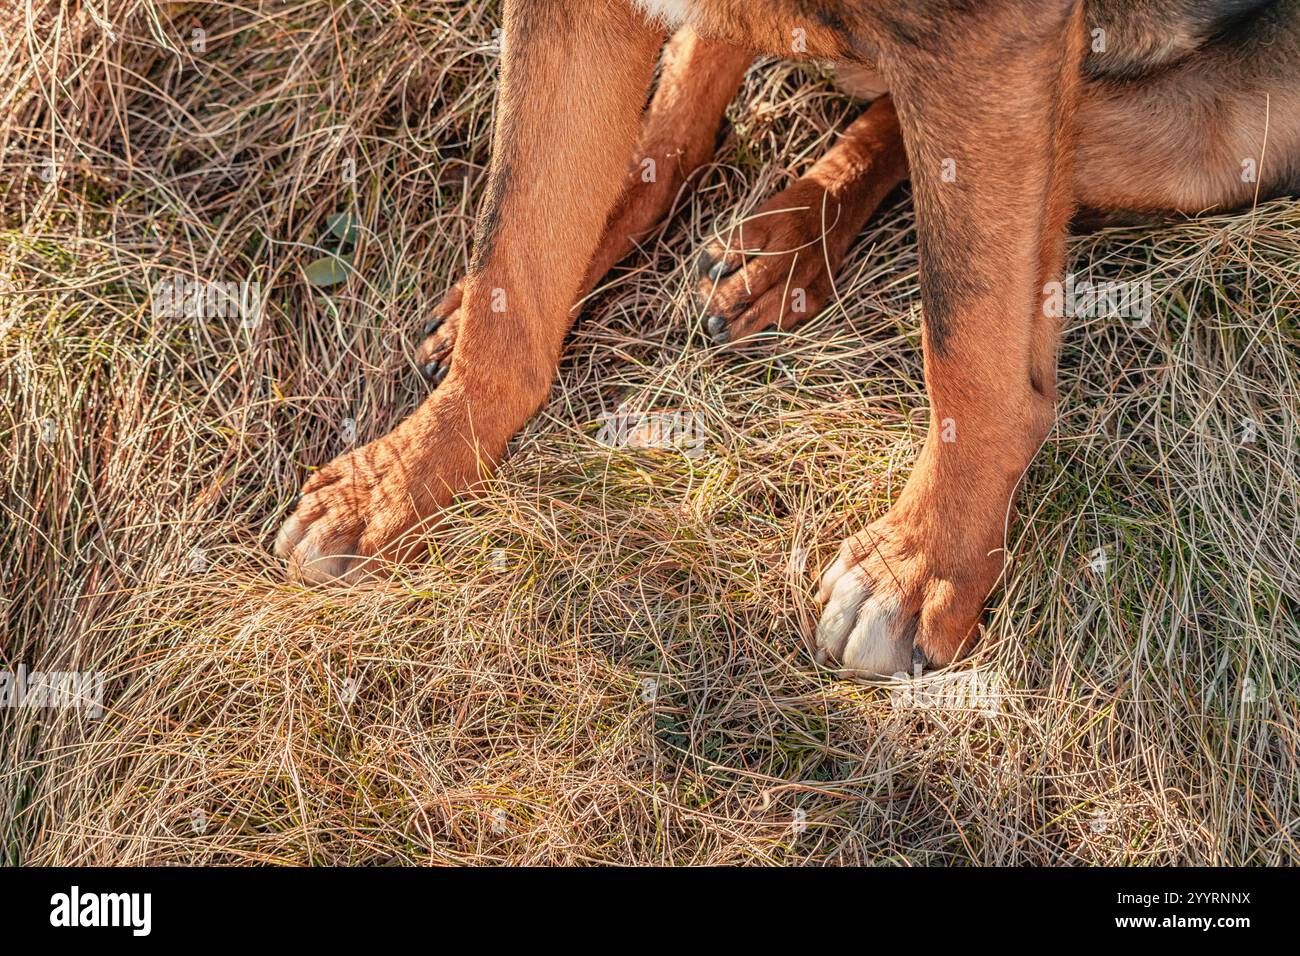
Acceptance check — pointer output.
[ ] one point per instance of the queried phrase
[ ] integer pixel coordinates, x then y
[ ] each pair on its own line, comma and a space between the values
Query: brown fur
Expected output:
1005, 94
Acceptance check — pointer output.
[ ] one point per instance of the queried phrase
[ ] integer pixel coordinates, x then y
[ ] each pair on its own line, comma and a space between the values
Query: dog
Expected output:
1011, 118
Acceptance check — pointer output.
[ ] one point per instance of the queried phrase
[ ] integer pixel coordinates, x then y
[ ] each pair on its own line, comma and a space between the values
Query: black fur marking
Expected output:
1223, 16
925, 24
935, 321
948, 279
489, 220
832, 20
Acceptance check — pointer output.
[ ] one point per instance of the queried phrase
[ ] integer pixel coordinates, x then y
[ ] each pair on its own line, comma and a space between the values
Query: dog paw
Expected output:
352, 515
777, 268
894, 599
433, 355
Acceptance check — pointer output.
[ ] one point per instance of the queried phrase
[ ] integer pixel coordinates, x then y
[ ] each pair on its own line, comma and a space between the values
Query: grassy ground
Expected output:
601, 663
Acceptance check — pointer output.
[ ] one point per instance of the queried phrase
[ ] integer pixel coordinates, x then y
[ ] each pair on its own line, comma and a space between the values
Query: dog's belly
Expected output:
1128, 38
860, 80
671, 13
857, 78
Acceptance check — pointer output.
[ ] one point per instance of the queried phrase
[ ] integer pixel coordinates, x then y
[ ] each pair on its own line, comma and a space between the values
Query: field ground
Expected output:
601, 662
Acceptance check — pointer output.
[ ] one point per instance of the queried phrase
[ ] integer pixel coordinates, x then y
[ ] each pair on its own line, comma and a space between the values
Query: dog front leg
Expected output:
574, 76
985, 112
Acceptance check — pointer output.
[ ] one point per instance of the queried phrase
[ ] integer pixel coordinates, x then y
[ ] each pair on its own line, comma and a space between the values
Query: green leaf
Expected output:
327, 271
343, 225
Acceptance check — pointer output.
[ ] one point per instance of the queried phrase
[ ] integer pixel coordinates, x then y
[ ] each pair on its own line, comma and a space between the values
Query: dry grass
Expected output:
492, 705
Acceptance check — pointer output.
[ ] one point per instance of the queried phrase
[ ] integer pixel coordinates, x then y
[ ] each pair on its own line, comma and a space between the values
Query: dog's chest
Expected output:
671, 13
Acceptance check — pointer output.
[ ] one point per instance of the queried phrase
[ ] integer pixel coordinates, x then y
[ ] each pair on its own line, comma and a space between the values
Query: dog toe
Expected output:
902, 591
718, 330
864, 630
715, 263
882, 638
433, 355
839, 616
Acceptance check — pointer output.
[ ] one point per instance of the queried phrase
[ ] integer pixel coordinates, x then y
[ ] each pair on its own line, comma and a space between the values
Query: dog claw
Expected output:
434, 372
433, 324
718, 330
715, 268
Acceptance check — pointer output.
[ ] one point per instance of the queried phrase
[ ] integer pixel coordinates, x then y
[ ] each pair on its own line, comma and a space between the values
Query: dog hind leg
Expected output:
1211, 131
780, 267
